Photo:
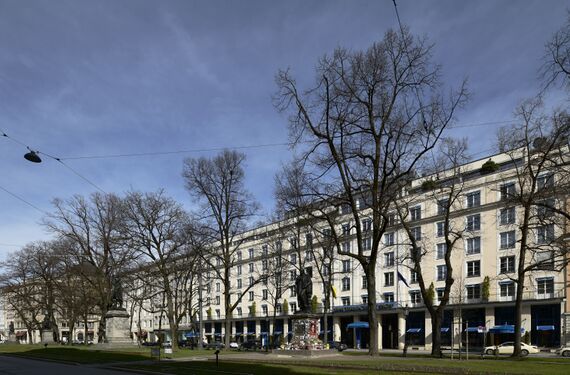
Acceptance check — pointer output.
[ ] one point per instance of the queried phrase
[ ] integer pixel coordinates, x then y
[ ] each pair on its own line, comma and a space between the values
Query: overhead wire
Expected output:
23, 200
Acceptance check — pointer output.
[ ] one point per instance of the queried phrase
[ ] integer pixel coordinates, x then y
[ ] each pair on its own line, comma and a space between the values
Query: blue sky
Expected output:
81, 78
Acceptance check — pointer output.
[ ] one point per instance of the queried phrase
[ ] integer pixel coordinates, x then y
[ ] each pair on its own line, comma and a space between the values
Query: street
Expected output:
22, 366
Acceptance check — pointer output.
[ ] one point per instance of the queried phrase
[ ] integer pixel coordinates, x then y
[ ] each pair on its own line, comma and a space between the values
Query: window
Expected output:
264, 265
415, 213
392, 220
250, 281
415, 297
293, 258
545, 209
346, 246
293, 291
250, 252
217, 300
545, 181
327, 269
264, 250
439, 292
413, 277
346, 284
367, 244
239, 255
473, 222
507, 216
442, 206
264, 294
218, 262
293, 306
473, 291
217, 287
441, 249
364, 299
441, 272
508, 239
278, 309
251, 268
507, 264
389, 279
473, 199
389, 259
367, 225
507, 289
345, 229
545, 286
474, 268
345, 301
293, 275
251, 296
346, 265
388, 297
293, 242
278, 246
440, 229
308, 255
345, 209
474, 245
508, 191
389, 239
545, 234
239, 269
218, 313
416, 233
364, 282
309, 239
264, 310
239, 283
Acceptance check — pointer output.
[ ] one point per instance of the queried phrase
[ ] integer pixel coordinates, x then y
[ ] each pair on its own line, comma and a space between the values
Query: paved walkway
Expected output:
23, 366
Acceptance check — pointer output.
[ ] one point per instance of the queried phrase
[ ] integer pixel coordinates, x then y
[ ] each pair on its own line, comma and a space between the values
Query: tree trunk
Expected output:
372, 317
436, 319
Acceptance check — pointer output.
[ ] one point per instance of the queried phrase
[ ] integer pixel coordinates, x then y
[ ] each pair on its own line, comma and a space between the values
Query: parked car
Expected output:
564, 351
167, 344
234, 345
250, 345
509, 347
215, 345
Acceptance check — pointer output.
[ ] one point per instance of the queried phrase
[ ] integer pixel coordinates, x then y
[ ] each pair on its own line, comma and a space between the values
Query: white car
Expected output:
564, 351
509, 347
234, 345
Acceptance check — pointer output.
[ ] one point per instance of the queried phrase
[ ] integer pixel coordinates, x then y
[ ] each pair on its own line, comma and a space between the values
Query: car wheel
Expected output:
524, 352
566, 353
490, 352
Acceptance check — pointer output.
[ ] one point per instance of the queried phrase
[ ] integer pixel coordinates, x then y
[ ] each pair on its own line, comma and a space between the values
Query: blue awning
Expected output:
473, 330
505, 328
414, 330
239, 334
191, 334
217, 334
545, 328
444, 329
323, 332
358, 325
277, 332
263, 333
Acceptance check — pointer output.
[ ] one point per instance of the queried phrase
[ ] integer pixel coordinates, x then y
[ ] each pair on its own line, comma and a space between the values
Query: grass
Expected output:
71, 354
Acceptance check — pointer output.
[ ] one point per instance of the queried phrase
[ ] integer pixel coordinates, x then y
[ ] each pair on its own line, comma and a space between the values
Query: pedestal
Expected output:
12, 337
118, 327
47, 337
306, 328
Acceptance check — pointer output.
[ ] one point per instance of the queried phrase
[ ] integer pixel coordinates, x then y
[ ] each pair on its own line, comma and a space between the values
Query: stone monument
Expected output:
306, 325
47, 331
117, 329
11, 333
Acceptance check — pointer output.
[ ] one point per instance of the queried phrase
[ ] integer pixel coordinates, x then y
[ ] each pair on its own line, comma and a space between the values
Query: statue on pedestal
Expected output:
116, 293
304, 288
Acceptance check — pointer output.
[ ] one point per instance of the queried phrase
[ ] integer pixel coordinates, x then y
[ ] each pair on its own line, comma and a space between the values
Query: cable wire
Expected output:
23, 200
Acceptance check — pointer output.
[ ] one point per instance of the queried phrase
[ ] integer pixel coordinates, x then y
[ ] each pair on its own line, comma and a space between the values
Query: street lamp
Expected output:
406, 312
33, 157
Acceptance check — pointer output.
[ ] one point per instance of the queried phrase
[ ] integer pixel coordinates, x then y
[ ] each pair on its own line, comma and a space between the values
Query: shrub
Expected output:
485, 288
489, 167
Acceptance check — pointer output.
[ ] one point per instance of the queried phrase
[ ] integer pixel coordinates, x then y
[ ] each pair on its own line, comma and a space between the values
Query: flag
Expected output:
334, 293
402, 279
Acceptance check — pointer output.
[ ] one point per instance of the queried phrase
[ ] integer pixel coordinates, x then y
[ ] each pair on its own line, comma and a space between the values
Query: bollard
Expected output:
216, 353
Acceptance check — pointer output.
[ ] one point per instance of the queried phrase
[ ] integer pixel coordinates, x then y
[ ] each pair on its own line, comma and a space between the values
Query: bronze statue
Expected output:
11, 328
116, 293
304, 288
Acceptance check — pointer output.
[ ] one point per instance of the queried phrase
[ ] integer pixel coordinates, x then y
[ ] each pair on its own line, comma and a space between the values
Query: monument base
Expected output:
47, 337
12, 338
118, 330
306, 328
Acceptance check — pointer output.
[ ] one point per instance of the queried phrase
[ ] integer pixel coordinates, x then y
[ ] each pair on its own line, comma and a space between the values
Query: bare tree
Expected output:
556, 66
94, 227
445, 187
157, 229
538, 149
218, 184
362, 130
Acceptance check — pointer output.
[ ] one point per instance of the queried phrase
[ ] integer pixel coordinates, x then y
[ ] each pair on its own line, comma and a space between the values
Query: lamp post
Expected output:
266, 332
406, 312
